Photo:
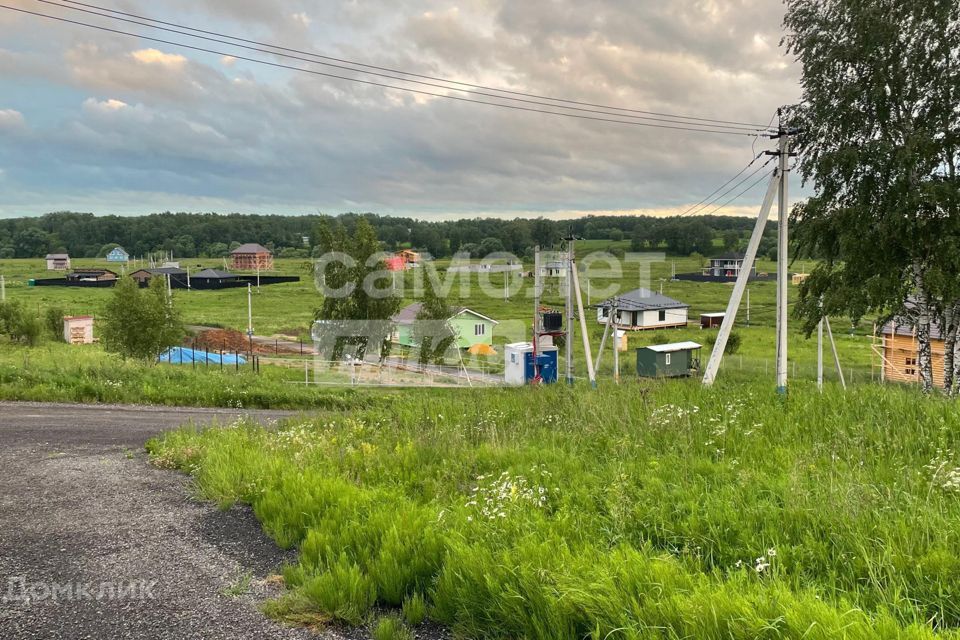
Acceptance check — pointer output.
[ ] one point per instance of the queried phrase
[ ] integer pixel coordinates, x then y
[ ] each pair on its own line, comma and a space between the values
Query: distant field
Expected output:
289, 308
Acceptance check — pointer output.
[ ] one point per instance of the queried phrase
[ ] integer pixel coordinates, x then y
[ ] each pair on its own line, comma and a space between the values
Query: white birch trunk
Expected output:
924, 355
950, 318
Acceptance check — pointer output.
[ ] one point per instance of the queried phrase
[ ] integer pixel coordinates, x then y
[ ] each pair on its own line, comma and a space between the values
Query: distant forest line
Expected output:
189, 235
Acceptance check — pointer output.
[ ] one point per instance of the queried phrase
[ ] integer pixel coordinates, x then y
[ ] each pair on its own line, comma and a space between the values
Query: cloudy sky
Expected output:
103, 122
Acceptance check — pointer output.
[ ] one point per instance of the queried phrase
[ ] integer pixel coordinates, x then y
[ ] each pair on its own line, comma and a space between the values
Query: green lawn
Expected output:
652, 510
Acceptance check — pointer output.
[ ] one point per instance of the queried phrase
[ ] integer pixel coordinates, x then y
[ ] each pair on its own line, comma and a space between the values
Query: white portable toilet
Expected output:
514, 362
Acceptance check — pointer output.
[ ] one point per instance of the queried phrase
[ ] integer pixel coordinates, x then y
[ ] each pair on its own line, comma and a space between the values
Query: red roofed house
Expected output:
251, 257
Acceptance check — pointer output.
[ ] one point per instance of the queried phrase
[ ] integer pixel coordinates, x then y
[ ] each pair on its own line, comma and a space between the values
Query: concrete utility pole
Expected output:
730, 318
820, 355
782, 262
536, 309
591, 374
569, 304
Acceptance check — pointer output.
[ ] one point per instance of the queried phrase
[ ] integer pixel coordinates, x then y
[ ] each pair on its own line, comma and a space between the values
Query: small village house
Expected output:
899, 351
472, 328
211, 279
643, 309
409, 256
118, 255
728, 266
91, 275
799, 278
251, 257
58, 262
712, 320
78, 329
178, 277
554, 269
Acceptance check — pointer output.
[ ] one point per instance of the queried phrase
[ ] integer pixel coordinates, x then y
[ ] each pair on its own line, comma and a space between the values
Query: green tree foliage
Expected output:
880, 140
431, 329
357, 287
53, 321
140, 323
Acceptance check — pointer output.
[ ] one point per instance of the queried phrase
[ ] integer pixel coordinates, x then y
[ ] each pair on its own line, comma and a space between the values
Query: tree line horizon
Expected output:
213, 235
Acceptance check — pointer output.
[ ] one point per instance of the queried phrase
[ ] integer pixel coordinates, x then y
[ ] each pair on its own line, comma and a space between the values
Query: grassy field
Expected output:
652, 510
288, 308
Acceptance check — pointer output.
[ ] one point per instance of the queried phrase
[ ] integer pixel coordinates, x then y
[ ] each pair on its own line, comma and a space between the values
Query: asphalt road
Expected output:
96, 543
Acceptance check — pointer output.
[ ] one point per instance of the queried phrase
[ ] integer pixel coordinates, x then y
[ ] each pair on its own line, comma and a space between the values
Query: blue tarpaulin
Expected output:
183, 355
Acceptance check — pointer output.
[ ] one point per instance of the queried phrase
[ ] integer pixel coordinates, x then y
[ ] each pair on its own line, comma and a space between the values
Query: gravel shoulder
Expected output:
95, 543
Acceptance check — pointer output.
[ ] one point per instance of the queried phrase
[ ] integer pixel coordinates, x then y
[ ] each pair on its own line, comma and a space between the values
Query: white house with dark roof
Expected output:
642, 309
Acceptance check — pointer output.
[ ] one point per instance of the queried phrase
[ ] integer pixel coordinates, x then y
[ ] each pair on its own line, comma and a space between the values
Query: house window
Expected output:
911, 362
480, 329
668, 359
663, 317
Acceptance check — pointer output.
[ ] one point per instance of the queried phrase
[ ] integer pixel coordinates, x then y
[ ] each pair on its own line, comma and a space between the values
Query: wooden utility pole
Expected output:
250, 316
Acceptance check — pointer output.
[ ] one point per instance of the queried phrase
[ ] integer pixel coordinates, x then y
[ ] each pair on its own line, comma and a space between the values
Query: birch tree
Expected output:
880, 129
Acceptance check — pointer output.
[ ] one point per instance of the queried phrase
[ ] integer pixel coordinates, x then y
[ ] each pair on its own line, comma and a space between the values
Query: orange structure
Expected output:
252, 257
899, 351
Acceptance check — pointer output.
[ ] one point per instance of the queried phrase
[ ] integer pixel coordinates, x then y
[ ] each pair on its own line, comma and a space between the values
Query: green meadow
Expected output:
650, 510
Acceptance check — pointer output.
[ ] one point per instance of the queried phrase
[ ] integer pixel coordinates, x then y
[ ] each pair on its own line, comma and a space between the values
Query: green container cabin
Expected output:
677, 360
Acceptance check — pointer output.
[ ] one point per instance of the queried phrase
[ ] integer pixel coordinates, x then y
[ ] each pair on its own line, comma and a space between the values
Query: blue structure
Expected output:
520, 368
118, 255
183, 355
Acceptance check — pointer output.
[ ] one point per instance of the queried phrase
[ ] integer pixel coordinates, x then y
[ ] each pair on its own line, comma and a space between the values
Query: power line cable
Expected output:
371, 82
738, 124
717, 190
742, 193
732, 188
391, 77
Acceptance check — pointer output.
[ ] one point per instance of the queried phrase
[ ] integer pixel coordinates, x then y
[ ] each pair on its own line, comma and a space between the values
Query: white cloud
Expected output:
228, 61
11, 119
302, 18
105, 106
155, 56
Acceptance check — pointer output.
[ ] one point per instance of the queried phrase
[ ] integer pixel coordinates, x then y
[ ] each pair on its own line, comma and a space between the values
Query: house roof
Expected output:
212, 274
730, 256
173, 271
250, 247
408, 314
721, 314
643, 300
902, 327
676, 346
77, 272
57, 256
118, 249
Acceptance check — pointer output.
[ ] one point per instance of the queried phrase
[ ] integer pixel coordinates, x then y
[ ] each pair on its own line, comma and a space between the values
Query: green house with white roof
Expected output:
471, 327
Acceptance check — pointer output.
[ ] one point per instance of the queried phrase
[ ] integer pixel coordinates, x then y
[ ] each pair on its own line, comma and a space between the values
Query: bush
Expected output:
53, 319
19, 324
733, 342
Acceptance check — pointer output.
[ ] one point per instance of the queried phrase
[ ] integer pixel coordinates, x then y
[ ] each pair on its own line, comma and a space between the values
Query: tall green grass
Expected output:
669, 511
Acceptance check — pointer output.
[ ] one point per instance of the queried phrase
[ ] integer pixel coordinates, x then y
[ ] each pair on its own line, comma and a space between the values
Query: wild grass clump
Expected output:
414, 609
391, 628
663, 511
